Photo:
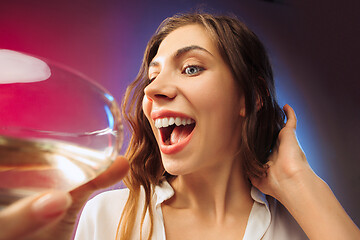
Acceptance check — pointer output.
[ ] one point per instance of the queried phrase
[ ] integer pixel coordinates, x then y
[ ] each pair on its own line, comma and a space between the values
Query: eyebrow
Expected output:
184, 50
181, 52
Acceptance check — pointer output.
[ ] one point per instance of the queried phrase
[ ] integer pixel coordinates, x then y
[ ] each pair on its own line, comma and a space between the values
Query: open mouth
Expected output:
174, 130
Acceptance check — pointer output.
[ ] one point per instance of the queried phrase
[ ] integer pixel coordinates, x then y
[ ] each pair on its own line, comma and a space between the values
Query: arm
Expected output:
307, 197
54, 213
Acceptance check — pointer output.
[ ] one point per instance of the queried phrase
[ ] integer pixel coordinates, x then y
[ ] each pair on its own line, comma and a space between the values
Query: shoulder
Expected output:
283, 225
109, 198
106, 203
101, 214
270, 220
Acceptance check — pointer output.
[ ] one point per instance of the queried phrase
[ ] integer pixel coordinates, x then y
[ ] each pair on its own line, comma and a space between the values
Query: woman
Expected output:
205, 121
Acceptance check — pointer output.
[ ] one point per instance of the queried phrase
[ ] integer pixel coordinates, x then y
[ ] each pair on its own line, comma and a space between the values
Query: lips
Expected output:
175, 130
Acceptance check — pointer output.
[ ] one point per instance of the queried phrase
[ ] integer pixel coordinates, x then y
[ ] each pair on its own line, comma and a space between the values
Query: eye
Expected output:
192, 70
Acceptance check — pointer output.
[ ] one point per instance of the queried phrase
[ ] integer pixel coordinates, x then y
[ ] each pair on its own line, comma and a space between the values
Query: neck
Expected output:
217, 191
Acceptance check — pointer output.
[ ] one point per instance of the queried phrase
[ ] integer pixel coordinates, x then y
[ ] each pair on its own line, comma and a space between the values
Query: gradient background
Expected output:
314, 48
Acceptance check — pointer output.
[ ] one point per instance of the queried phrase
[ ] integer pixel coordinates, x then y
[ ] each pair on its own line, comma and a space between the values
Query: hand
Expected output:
54, 213
286, 161
307, 197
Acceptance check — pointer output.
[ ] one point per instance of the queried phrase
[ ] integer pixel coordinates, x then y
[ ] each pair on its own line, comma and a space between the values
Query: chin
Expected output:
176, 169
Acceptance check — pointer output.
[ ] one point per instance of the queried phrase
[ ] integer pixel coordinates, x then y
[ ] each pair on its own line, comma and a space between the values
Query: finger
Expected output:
291, 117
29, 215
112, 175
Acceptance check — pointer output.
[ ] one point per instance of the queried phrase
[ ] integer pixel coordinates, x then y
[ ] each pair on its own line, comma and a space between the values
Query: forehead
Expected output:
189, 35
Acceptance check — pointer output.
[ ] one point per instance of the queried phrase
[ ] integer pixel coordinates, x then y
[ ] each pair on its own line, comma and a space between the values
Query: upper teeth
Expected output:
165, 122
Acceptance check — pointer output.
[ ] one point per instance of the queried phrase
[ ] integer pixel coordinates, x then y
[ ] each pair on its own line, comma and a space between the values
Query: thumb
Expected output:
291, 117
29, 215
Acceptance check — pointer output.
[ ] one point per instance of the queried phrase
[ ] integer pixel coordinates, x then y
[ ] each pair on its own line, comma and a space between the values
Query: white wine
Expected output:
29, 166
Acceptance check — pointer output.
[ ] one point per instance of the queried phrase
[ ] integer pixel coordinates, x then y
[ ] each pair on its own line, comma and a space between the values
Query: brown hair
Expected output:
247, 59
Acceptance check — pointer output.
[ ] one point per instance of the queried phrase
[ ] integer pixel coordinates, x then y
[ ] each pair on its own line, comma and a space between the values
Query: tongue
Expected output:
179, 133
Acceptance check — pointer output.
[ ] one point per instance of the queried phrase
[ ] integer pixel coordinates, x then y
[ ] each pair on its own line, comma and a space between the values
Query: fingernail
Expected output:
51, 205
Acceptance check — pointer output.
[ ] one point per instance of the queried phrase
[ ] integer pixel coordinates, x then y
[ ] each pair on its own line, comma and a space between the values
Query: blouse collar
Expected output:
259, 218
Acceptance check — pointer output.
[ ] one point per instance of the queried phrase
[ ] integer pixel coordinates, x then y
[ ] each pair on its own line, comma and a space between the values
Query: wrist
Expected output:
292, 188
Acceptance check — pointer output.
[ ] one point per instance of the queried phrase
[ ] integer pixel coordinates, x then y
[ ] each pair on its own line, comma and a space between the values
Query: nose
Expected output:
161, 88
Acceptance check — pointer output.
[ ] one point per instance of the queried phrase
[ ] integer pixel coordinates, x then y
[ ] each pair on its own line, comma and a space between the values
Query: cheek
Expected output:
217, 90
220, 106
215, 98
203, 95
147, 105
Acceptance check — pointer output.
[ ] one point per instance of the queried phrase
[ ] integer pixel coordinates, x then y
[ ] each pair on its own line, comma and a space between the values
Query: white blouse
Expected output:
100, 218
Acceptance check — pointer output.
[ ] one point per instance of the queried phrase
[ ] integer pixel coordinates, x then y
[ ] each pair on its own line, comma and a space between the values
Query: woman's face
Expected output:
193, 103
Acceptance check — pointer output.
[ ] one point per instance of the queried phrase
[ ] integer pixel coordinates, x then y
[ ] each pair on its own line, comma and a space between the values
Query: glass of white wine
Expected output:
58, 129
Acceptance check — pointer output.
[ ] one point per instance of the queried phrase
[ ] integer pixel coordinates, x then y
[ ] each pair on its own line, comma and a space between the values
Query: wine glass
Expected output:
58, 129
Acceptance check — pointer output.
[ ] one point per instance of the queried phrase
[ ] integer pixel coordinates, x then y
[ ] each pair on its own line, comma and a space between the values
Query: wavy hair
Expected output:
248, 61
